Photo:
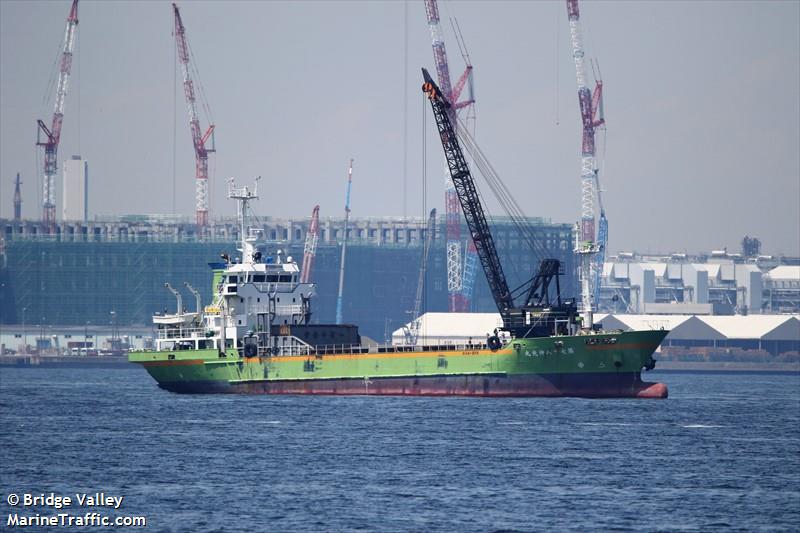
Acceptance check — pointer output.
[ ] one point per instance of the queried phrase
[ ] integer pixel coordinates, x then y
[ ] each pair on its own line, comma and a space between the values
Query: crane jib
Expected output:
468, 197
538, 316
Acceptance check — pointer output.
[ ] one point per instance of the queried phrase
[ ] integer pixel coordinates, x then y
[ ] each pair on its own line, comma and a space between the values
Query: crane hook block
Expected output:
432, 90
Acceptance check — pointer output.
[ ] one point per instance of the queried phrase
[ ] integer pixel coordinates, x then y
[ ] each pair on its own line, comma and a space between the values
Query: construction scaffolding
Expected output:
84, 272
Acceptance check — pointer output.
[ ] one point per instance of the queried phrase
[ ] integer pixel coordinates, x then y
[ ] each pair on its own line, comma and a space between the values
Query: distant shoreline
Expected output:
121, 362
65, 361
727, 367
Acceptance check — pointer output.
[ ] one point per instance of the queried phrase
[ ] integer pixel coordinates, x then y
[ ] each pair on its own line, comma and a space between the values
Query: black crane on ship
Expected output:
534, 309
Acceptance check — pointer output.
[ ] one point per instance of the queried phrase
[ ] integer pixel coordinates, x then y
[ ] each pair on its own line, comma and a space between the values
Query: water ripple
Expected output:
722, 453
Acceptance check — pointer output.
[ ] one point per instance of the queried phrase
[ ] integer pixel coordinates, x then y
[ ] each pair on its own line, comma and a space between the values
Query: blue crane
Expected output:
344, 244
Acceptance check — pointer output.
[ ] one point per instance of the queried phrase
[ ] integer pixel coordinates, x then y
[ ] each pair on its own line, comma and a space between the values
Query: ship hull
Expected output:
596, 366
588, 385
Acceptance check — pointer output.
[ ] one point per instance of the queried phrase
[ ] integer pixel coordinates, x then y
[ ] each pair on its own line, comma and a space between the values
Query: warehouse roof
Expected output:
785, 272
767, 327
681, 327
643, 322
711, 268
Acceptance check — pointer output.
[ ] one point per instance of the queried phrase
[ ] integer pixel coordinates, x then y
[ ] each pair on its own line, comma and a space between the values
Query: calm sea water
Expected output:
723, 453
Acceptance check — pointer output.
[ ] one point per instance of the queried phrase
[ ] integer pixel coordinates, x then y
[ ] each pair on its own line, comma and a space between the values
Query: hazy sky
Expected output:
701, 103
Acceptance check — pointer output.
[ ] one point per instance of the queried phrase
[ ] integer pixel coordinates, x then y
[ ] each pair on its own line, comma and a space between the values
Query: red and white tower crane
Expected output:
586, 245
310, 248
199, 139
459, 299
52, 135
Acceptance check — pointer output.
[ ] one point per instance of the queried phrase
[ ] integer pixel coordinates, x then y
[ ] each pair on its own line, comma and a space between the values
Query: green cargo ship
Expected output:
257, 337
595, 366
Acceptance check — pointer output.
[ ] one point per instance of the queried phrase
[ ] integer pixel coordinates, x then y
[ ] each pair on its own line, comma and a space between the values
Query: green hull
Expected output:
603, 365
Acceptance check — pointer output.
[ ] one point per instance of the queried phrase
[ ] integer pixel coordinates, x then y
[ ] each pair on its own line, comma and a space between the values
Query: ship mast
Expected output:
247, 235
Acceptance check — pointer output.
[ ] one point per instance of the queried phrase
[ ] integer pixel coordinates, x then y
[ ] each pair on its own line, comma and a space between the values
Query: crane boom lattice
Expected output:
199, 139
538, 315
412, 331
460, 263
52, 135
468, 197
310, 248
586, 245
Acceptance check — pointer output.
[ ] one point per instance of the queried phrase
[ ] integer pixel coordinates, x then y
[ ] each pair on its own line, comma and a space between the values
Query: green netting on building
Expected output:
74, 283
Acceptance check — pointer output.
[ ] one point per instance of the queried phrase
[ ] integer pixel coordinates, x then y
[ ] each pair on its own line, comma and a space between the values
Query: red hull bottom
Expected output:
605, 385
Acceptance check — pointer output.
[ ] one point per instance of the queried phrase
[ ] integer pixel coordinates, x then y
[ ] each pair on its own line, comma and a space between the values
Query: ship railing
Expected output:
389, 348
332, 349
181, 333
344, 349
267, 351
328, 349
281, 310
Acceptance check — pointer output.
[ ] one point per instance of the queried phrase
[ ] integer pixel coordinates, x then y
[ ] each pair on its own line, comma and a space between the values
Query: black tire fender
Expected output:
250, 350
494, 343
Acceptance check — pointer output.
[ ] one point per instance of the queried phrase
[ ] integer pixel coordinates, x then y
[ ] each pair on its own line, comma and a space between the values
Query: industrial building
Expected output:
82, 272
782, 289
75, 205
714, 284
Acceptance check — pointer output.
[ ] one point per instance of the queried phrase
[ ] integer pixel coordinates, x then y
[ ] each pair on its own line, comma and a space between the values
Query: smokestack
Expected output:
17, 200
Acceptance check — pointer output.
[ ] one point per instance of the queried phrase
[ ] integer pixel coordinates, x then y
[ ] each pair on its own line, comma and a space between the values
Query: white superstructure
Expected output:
257, 300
